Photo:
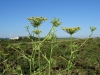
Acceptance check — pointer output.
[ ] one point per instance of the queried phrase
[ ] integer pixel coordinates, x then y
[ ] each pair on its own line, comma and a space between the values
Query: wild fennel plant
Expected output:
36, 22
52, 36
71, 31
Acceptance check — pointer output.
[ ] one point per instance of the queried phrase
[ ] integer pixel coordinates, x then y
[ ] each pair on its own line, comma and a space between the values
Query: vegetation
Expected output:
42, 57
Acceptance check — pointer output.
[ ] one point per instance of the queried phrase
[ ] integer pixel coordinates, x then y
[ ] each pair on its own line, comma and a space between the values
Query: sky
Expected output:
72, 13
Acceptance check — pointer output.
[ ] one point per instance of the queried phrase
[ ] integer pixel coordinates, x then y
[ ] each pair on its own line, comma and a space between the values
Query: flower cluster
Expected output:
36, 21
55, 22
26, 27
71, 30
92, 28
36, 32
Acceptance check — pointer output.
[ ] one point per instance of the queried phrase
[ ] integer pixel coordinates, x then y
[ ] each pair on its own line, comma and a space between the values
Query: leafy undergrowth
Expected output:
86, 62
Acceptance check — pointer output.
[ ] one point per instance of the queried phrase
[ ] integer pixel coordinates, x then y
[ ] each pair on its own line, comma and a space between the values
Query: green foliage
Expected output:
88, 54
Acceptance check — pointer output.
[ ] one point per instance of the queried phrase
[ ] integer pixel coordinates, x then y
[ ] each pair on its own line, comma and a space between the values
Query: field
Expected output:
86, 62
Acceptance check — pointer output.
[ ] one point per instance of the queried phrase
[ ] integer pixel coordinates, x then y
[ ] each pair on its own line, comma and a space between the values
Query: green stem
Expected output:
29, 33
52, 46
51, 53
30, 66
69, 62
84, 41
39, 61
49, 68
39, 53
33, 54
38, 35
46, 36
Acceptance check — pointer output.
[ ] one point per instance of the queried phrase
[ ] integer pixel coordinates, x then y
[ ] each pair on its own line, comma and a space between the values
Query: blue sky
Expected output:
72, 13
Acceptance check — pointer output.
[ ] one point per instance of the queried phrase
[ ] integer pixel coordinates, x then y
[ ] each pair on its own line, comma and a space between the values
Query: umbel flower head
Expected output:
55, 22
92, 28
36, 32
26, 27
71, 30
36, 21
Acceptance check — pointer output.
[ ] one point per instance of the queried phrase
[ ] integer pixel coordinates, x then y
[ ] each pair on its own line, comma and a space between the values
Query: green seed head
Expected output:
36, 21
36, 32
71, 30
55, 22
92, 28
26, 27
